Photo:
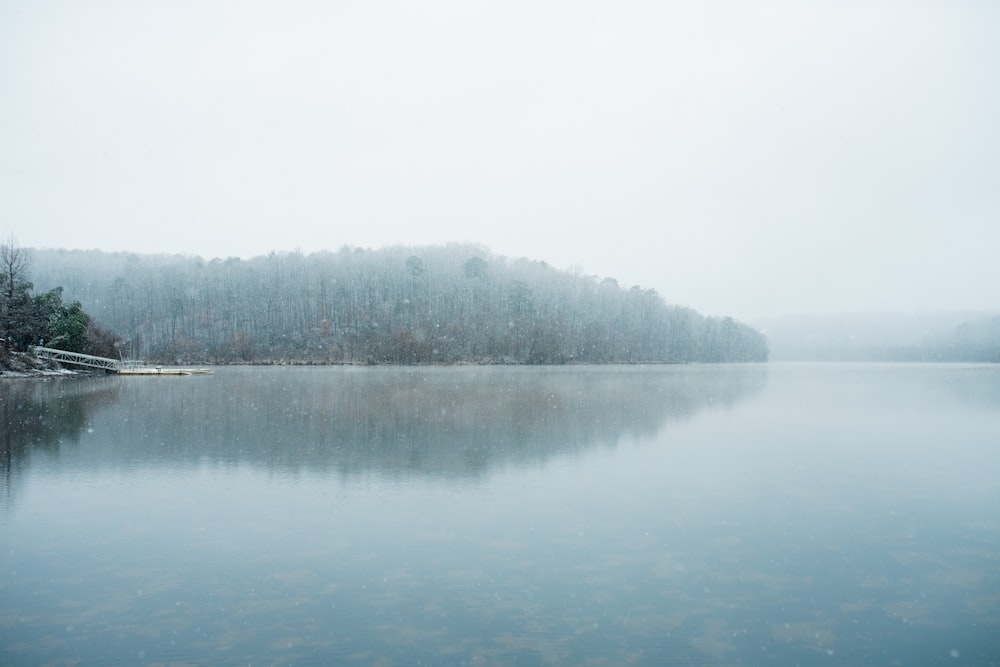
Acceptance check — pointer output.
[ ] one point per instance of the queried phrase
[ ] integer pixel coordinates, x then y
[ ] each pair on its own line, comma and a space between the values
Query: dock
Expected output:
112, 365
164, 371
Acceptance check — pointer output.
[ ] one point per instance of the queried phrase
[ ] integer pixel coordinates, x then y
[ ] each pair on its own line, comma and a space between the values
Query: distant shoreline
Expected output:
27, 367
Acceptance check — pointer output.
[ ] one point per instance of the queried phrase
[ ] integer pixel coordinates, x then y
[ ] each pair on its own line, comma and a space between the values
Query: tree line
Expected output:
401, 305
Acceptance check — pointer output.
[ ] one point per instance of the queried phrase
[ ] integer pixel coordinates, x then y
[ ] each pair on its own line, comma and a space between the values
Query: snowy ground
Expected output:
21, 365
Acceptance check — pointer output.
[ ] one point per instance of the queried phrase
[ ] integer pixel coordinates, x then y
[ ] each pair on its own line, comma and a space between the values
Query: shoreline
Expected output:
19, 365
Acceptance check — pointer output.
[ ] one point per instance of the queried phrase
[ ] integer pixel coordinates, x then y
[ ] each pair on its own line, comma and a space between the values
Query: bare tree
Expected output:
13, 284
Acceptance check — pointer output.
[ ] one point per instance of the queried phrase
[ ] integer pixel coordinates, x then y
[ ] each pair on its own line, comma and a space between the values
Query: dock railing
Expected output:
89, 360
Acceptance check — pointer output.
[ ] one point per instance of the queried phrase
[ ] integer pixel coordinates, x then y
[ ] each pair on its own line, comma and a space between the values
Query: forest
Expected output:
400, 305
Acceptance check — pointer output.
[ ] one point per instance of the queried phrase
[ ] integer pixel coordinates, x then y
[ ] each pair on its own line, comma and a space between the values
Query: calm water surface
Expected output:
698, 515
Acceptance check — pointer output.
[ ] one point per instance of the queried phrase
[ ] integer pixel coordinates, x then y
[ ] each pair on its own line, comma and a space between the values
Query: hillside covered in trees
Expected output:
440, 304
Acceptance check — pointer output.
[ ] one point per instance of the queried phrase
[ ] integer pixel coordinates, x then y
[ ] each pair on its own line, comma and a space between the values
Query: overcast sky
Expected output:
743, 158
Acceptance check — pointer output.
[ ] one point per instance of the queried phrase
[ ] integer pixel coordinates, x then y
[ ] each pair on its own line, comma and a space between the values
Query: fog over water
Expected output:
742, 159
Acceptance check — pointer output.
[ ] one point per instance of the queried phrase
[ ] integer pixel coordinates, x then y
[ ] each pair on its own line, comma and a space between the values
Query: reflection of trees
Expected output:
433, 421
38, 416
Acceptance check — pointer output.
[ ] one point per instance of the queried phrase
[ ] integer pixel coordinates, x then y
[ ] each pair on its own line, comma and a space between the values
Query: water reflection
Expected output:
425, 421
647, 516
40, 416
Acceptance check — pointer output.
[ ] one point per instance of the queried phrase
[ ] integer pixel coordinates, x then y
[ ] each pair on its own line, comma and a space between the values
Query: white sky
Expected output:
743, 158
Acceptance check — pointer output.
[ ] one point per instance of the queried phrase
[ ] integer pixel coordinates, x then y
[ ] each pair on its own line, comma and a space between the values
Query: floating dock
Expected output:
164, 371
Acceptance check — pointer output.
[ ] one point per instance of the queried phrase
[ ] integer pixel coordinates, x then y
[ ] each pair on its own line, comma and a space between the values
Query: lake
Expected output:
783, 514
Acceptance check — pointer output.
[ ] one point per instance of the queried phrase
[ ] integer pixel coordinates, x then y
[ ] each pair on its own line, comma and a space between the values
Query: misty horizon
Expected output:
946, 314
314, 286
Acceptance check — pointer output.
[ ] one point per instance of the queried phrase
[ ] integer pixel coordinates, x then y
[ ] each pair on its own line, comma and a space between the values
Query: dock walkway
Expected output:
88, 360
111, 365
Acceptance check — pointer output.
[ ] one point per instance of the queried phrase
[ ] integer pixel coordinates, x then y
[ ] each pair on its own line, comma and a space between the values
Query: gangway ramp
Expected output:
89, 360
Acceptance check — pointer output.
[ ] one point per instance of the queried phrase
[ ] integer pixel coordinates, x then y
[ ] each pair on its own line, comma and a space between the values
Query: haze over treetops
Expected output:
432, 304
